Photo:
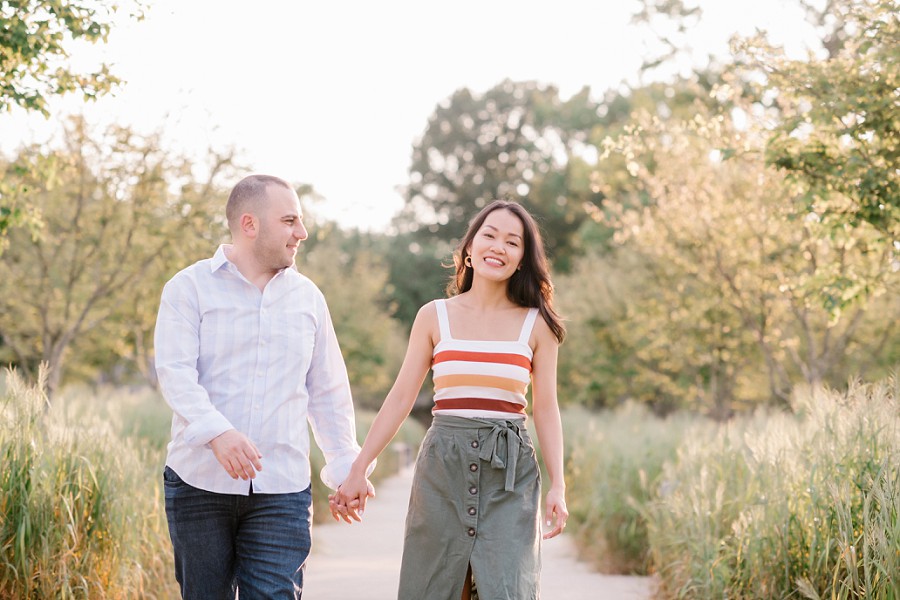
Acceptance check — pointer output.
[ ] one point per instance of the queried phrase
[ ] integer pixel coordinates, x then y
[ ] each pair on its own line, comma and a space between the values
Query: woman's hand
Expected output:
349, 501
555, 509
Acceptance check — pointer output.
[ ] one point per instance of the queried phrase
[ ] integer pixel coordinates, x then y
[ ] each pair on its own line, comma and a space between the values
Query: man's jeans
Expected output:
256, 545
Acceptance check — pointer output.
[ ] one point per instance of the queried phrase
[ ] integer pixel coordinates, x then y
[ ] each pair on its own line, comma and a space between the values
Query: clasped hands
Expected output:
349, 501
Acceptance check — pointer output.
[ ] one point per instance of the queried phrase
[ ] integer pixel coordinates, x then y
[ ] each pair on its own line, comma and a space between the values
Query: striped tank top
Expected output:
481, 378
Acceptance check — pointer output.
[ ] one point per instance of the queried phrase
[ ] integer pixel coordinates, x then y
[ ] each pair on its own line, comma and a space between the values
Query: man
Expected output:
246, 353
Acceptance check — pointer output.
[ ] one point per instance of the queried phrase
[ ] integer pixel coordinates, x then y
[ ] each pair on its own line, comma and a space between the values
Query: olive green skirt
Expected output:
475, 501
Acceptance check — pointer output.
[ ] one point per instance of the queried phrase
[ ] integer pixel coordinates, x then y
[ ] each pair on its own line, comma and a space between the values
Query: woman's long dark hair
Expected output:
530, 286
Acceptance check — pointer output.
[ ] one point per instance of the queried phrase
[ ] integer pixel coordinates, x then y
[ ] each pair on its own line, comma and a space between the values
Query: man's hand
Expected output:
237, 454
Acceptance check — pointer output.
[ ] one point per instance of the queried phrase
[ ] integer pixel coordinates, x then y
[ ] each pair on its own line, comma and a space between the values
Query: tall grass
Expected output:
79, 517
614, 462
800, 505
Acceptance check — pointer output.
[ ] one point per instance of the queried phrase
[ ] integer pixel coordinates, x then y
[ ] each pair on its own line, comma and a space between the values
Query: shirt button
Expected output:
471, 532
475, 444
473, 490
473, 467
472, 511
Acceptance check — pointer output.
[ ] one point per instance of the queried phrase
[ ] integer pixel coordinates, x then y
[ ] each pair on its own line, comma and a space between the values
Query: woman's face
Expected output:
498, 247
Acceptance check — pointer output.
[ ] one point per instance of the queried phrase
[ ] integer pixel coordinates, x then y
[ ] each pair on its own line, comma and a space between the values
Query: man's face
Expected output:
281, 229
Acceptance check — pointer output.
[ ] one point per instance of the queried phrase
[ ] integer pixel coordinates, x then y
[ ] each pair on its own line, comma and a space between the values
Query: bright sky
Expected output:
334, 93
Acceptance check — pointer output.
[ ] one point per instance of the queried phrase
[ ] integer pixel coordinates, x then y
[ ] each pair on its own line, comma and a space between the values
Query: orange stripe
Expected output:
479, 404
491, 381
489, 357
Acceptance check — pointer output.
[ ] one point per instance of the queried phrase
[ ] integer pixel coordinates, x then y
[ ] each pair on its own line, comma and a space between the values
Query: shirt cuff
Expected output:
200, 433
335, 472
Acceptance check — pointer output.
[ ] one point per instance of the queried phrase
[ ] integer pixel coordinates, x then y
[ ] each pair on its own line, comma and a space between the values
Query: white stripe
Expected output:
477, 414
462, 367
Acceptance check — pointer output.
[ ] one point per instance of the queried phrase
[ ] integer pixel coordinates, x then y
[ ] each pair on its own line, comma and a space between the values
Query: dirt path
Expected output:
362, 561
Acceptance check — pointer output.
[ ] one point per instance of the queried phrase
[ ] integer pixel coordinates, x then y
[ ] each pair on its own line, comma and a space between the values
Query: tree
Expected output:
725, 278
113, 229
34, 44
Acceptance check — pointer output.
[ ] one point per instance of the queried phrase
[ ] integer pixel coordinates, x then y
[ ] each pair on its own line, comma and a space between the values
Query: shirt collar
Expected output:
219, 259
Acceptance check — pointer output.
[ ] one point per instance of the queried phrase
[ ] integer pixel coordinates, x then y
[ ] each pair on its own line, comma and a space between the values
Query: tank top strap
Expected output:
528, 325
443, 320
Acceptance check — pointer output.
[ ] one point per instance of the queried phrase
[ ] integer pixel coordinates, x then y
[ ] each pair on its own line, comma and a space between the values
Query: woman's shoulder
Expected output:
429, 307
425, 325
542, 332
427, 313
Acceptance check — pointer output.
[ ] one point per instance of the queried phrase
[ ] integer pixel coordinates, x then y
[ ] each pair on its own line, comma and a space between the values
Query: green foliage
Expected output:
419, 273
35, 42
840, 133
785, 505
717, 291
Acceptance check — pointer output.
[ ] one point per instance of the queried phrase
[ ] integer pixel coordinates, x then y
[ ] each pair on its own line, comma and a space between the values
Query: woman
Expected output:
474, 511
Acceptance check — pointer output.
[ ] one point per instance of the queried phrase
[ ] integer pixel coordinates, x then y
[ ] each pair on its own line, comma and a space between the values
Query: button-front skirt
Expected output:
475, 500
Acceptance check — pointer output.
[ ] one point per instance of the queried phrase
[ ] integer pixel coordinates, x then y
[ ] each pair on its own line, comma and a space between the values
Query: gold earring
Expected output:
468, 261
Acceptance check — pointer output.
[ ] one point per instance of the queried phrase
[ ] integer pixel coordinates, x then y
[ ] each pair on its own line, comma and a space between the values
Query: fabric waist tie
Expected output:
504, 435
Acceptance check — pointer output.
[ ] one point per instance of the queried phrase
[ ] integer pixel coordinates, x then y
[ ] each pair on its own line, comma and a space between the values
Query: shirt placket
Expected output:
263, 344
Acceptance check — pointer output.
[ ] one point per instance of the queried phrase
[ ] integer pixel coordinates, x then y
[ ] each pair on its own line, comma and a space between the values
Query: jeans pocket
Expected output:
171, 478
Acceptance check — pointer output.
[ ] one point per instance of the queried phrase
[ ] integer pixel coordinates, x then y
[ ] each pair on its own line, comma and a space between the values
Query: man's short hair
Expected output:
247, 195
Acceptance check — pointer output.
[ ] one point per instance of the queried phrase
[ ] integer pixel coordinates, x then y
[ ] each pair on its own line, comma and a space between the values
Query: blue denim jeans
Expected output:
254, 545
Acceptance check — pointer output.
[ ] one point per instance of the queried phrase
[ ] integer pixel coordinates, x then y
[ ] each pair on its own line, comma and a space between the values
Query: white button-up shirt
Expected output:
264, 363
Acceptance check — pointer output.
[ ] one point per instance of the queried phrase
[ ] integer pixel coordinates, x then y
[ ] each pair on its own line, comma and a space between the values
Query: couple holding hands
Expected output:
246, 354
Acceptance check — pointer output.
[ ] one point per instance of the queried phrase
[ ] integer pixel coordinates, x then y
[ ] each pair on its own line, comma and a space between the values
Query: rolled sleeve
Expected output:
335, 472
